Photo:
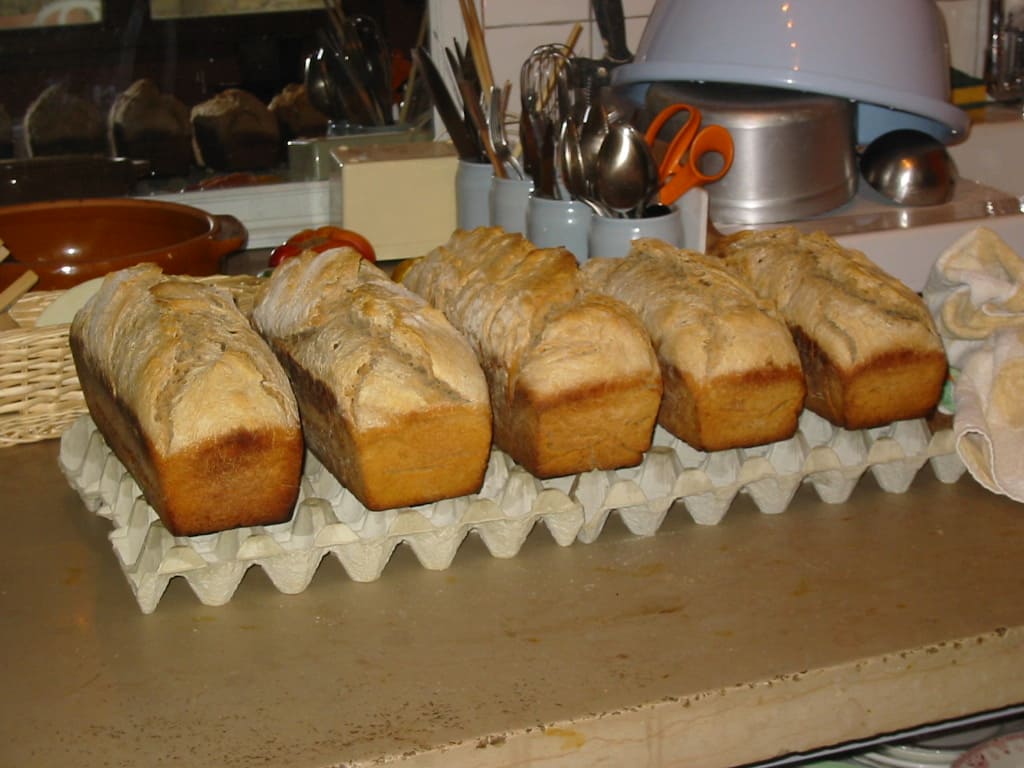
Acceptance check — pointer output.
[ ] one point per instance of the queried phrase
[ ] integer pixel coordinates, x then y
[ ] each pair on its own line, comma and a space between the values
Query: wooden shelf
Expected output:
710, 646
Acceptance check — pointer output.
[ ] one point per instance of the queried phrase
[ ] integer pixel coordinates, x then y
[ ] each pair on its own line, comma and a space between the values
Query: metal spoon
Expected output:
320, 89
592, 133
910, 168
626, 174
570, 159
573, 170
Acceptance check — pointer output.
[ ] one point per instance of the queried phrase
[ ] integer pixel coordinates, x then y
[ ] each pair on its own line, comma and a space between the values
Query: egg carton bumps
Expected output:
329, 521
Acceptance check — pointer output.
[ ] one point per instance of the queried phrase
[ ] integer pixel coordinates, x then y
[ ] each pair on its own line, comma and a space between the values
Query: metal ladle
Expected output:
626, 176
910, 168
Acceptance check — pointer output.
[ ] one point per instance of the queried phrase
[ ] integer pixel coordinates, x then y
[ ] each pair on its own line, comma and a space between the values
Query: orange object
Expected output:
679, 170
67, 242
322, 239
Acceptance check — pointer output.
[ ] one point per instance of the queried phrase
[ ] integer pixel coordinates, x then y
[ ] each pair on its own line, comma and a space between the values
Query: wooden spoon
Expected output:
11, 294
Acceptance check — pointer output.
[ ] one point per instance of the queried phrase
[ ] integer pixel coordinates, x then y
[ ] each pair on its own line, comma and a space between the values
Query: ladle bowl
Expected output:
910, 168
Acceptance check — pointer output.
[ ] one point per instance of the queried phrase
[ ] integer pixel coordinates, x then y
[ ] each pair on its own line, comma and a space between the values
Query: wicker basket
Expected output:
39, 391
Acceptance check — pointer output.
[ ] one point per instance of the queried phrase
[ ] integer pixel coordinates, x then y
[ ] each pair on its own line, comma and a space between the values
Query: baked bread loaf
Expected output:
869, 347
296, 115
573, 379
190, 399
59, 122
731, 372
6, 134
393, 401
235, 131
144, 123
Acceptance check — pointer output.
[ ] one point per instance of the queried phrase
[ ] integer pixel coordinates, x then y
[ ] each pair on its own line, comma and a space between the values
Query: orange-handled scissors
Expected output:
679, 169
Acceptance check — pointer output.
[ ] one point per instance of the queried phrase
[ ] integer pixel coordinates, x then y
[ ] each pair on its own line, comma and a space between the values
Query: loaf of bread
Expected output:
190, 399
59, 122
869, 347
146, 124
296, 115
731, 372
235, 131
393, 401
6, 134
573, 379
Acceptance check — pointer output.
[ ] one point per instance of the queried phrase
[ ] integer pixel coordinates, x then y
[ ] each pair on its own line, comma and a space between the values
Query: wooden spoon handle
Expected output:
17, 289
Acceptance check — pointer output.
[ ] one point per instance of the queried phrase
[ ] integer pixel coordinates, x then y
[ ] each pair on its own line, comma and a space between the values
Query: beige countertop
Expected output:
699, 646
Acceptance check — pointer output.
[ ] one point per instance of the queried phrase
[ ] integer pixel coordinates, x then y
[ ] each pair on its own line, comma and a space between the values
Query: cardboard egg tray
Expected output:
328, 520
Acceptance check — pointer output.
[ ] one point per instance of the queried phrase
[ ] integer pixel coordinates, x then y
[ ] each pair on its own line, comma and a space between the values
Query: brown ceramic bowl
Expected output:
70, 241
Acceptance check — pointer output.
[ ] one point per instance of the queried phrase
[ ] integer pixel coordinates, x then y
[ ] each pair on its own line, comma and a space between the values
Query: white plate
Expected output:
866, 759
64, 307
959, 740
887, 760
1000, 752
923, 755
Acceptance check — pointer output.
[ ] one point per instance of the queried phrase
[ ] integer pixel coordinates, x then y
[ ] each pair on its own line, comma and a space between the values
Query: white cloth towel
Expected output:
976, 294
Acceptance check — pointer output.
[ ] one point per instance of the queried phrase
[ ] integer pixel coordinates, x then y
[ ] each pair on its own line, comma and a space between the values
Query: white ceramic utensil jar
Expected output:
611, 237
554, 223
509, 198
472, 194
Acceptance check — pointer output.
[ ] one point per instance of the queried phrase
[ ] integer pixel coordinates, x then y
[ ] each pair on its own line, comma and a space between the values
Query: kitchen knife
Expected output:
611, 23
595, 74
465, 145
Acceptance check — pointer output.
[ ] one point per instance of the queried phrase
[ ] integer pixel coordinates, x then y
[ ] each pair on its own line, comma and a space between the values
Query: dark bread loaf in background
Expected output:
59, 122
6, 134
296, 116
235, 131
144, 123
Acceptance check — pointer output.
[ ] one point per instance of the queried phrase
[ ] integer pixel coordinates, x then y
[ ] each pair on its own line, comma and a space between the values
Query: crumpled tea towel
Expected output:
975, 292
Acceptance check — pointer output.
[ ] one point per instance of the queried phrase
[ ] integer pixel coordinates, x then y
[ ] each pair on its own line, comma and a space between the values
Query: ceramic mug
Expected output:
611, 237
472, 194
508, 201
555, 223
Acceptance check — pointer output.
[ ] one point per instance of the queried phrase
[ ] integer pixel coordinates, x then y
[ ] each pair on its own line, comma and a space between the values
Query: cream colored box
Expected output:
401, 197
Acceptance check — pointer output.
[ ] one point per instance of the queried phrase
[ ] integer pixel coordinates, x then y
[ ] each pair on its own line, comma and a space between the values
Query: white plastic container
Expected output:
892, 58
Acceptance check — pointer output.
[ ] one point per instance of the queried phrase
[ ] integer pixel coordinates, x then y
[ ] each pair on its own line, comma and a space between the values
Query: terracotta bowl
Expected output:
70, 241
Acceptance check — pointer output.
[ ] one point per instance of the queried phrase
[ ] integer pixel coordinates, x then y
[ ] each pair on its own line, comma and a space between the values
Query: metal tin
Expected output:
795, 152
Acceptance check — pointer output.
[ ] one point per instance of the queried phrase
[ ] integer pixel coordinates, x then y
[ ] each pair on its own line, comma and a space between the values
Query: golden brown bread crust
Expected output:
393, 401
731, 372
190, 400
573, 380
869, 347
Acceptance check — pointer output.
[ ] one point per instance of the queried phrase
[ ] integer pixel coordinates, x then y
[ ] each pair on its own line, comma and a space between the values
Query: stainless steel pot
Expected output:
795, 152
